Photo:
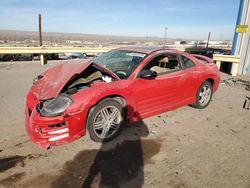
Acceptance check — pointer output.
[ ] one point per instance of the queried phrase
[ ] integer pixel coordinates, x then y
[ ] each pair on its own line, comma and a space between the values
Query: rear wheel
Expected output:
105, 120
204, 95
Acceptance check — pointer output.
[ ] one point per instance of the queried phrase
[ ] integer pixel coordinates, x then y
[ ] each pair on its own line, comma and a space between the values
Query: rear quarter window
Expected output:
201, 60
187, 63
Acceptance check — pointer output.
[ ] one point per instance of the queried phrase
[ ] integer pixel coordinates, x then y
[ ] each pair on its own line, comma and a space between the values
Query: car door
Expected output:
166, 91
193, 77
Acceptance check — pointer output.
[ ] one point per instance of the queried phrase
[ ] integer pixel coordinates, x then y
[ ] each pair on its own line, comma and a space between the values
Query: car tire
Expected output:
203, 96
106, 120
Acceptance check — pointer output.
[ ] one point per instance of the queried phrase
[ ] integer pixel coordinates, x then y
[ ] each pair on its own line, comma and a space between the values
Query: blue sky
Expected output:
184, 18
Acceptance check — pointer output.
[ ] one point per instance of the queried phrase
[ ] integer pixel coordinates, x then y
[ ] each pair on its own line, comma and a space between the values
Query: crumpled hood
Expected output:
55, 78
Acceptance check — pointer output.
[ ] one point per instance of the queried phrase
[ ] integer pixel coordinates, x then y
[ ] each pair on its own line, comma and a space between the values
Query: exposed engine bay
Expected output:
86, 79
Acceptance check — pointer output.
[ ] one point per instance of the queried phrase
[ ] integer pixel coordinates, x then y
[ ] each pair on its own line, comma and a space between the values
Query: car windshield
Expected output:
120, 62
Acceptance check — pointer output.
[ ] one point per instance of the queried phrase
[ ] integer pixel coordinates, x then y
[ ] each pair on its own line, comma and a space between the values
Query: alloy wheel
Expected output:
205, 95
107, 122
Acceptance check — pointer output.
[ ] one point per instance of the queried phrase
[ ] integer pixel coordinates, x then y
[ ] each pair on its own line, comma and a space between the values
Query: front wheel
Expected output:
204, 95
105, 120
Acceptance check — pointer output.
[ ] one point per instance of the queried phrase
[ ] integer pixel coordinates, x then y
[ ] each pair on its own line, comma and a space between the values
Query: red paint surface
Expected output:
55, 78
144, 97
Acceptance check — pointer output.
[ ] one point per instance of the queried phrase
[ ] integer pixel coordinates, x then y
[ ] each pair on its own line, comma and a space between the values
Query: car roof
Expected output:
145, 50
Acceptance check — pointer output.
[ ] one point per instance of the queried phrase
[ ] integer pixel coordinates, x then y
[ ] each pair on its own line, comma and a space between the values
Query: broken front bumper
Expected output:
51, 131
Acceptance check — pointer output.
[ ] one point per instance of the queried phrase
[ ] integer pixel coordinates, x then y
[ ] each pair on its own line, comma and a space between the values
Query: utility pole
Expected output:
42, 60
166, 32
40, 29
208, 39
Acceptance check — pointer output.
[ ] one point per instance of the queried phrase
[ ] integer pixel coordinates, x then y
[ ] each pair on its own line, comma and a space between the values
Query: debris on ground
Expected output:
153, 132
35, 156
246, 104
166, 122
237, 83
234, 131
208, 118
179, 172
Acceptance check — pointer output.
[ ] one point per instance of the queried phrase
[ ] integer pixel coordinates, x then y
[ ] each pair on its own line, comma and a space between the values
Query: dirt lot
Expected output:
182, 148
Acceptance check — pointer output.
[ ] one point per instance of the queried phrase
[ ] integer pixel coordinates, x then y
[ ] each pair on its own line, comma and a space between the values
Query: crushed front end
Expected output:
53, 130
58, 102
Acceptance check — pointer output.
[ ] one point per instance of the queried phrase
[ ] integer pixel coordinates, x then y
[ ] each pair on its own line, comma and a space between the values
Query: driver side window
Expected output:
164, 64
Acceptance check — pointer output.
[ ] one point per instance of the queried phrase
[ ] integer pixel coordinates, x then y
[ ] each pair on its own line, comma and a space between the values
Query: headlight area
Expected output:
54, 107
49, 124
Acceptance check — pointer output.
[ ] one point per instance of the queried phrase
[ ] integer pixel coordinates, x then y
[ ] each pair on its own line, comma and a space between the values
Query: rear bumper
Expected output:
53, 131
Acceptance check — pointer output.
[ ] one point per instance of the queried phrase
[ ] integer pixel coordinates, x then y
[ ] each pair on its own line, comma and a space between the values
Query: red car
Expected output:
121, 86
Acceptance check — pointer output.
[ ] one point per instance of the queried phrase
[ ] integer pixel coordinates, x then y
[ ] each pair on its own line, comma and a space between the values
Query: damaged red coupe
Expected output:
121, 86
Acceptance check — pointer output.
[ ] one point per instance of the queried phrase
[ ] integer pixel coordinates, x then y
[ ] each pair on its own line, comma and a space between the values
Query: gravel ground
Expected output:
182, 148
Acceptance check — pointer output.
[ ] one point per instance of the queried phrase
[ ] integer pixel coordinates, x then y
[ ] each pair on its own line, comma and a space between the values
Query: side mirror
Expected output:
147, 74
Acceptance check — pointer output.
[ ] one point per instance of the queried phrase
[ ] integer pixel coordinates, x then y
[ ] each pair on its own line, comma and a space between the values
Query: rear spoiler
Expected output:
203, 58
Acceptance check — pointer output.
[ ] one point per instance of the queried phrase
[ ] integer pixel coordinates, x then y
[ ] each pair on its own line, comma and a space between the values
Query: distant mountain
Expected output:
13, 35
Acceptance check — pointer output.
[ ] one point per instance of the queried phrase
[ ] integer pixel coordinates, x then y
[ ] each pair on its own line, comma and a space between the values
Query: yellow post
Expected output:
234, 69
218, 63
42, 60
